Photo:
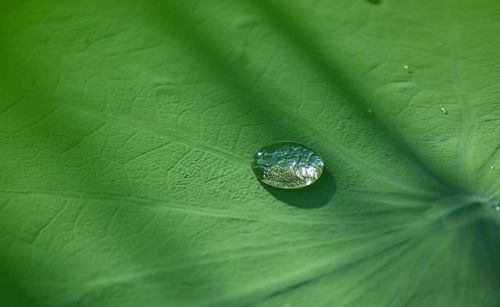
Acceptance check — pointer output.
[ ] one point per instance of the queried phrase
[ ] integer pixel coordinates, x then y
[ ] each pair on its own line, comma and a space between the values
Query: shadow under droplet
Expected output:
314, 196
374, 1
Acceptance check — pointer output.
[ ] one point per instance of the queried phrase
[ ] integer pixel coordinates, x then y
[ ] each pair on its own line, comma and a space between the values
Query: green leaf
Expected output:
127, 130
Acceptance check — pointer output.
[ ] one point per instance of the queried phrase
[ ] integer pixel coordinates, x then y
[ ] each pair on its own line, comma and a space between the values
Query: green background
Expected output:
127, 129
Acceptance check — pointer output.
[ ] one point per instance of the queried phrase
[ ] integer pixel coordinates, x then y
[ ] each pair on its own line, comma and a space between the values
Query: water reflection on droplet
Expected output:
287, 165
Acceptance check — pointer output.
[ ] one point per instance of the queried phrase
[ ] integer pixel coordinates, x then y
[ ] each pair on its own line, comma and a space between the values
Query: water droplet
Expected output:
443, 110
496, 206
369, 110
287, 165
492, 168
407, 68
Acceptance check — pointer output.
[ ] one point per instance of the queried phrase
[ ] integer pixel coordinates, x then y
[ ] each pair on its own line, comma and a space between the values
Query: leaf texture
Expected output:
127, 130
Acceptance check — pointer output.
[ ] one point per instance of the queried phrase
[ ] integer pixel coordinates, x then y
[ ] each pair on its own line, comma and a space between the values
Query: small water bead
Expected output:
496, 206
408, 68
443, 110
287, 165
492, 168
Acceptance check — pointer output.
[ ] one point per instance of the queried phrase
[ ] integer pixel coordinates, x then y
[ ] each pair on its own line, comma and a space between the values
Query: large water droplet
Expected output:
287, 165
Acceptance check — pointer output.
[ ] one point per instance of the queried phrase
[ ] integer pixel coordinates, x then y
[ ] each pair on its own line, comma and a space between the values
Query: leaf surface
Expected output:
127, 129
